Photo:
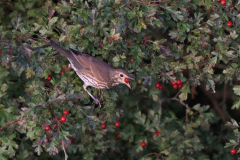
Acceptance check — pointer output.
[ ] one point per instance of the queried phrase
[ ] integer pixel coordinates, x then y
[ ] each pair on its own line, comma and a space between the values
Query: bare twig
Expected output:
160, 108
215, 104
9, 123
176, 99
124, 4
137, 105
225, 93
65, 153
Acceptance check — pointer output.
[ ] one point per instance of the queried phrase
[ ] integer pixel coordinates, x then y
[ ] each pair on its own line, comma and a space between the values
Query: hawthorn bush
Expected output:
184, 56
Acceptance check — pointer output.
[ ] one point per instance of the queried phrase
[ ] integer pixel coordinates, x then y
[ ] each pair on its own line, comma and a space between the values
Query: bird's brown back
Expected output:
94, 66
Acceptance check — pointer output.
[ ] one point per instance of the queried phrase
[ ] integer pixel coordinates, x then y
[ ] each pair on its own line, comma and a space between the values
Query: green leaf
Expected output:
185, 90
53, 20
141, 118
236, 104
236, 89
197, 107
38, 150
3, 152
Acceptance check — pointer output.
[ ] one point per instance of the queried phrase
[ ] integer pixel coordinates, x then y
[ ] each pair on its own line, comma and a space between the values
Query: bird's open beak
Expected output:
128, 84
131, 78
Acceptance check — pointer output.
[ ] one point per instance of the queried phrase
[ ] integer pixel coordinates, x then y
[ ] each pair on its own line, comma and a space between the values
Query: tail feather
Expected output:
68, 54
60, 49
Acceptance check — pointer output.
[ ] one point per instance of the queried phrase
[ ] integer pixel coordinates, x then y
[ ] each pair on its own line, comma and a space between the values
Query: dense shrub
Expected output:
155, 41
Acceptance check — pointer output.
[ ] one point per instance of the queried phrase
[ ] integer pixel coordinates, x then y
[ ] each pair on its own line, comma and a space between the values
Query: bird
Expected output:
92, 71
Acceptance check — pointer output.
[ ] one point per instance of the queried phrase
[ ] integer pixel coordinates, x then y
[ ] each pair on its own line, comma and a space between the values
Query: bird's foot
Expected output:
96, 100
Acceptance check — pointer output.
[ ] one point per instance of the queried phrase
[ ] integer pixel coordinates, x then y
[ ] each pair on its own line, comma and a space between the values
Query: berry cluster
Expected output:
177, 84
62, 120
158, 85
50, 77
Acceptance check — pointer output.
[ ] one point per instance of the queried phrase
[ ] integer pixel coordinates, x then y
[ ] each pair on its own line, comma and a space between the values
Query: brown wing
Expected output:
98, 68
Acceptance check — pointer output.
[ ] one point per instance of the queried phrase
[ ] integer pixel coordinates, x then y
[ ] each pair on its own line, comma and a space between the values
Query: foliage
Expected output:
156, 42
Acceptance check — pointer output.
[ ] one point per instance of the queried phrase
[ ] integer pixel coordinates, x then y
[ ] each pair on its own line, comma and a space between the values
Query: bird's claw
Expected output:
96, 100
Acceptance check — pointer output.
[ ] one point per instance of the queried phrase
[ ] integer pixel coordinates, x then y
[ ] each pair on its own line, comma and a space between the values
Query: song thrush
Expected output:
93, 71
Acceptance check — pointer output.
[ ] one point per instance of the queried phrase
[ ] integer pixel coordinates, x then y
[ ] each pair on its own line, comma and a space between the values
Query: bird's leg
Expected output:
95, 99
69, 66
101, 94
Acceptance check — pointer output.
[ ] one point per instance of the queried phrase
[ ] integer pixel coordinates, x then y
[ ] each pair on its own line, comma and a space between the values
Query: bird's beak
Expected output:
128, 84
131, 78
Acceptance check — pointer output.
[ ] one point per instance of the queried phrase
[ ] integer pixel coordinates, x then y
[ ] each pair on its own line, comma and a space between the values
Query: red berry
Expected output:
143, 144
223, 2
160, 87
103, 126
179, 81
175, 86
132, 60
47, 128
157, 85
180, 86
157, 133
117, 137
127, 80
71, 139
233, 151
81, 28
49, 78
173, 82
229, 23
62, 72
117, 124
65, 112
0, 52
128, 44
63, 119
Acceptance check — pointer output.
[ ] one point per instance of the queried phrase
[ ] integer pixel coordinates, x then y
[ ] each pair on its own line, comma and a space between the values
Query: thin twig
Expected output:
225, 93
9, 123
124, 5
176, 99
160, 108
137, 105
215, 104
66, 156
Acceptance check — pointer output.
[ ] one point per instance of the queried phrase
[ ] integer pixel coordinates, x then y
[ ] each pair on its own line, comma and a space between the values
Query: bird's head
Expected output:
121, 76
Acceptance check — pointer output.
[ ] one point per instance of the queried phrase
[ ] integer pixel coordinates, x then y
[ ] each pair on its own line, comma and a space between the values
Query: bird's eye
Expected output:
121, 75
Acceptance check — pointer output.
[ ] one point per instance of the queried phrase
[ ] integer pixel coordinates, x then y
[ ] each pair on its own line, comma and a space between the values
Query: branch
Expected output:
176, 99
9, 123
66, 156
215, 104
124, 5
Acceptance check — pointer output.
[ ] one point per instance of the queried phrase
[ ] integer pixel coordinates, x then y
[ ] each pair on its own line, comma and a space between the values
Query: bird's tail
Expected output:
60, 49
